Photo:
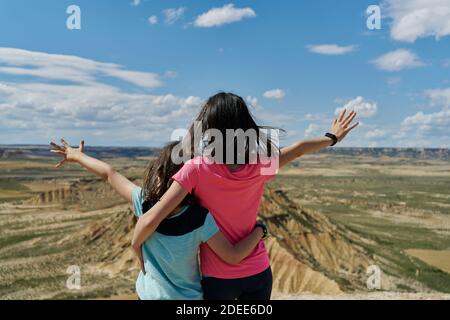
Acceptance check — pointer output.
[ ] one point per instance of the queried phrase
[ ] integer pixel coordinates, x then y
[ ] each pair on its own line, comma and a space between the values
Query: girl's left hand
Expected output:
68, 153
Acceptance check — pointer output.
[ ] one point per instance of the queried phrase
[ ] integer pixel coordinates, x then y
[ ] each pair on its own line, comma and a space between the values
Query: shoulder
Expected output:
193, 218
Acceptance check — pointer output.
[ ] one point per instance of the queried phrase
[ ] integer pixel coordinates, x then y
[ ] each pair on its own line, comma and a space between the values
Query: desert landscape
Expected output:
331, 216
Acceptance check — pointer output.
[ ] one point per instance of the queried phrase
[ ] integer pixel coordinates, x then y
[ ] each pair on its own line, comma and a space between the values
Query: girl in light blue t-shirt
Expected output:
169, 258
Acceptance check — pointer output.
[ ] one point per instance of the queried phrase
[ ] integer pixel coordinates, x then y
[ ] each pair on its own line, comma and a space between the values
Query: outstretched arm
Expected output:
340, 128
118, 182
234, 254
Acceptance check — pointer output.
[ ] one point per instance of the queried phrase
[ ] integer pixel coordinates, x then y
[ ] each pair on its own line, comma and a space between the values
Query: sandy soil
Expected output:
437, 258
366, 296
356, 296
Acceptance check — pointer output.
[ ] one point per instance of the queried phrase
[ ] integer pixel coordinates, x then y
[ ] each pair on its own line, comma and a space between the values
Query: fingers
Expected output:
82, 146
60, 164
349, 119
65, 143
341, 116
57, 147
58, 152
352, 127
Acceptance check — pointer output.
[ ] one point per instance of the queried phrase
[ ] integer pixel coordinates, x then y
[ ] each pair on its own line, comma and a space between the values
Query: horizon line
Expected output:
156, 147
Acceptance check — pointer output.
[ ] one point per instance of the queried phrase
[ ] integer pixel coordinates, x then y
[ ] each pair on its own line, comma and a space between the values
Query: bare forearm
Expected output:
98, 167
145, 227
234, 254
244, 247
118, 182
302, 148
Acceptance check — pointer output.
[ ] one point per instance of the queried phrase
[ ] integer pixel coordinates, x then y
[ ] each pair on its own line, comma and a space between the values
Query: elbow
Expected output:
109, 172
134, 244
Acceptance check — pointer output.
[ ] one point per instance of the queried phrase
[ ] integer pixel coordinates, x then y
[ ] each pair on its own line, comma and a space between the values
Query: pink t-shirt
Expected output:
233, 198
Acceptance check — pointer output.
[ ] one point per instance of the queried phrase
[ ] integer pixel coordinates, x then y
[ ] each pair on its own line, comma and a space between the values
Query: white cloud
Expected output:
51, 110
312, 130
439, 96
170, 74
331, 49
375, 134
415, 19
219, 16
364, 108
153, 19
426, 121
313, 116
68, 95
135, 3
252, 102
392, 81
174, 14
69, 68
429, 128
275, 94
398, 60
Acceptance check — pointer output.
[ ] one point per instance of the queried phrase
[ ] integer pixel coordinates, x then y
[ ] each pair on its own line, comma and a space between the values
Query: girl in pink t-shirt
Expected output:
226, 171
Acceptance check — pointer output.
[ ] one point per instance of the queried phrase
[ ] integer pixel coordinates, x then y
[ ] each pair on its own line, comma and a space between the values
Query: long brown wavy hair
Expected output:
158, 177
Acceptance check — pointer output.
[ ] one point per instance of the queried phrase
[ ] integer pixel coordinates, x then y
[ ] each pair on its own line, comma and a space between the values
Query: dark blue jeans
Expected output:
257, 287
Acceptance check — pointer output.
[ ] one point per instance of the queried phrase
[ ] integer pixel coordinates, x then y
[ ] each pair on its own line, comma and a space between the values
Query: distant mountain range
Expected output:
43, 151
39, 151
411, 153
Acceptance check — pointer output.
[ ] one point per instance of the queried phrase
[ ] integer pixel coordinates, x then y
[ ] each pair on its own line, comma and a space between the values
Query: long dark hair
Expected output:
227, 111
158, 177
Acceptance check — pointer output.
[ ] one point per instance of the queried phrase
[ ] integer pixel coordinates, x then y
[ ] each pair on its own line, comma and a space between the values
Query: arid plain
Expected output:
331, 216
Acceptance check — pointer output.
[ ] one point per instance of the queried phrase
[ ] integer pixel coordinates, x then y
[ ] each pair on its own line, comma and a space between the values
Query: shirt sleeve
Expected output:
137, 201
188, 176
209, 229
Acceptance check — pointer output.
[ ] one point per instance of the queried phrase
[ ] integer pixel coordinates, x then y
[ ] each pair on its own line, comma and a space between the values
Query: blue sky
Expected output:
125, 79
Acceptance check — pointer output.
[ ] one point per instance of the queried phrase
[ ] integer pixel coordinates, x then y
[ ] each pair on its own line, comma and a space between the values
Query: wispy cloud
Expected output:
135, 3
69, 68
331, 49
440, 97
275, 94
153, 19
224, 15
70, 95
174, 14
398, 60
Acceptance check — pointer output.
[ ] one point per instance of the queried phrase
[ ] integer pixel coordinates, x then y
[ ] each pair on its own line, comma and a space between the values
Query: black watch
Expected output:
263, 226
332, 137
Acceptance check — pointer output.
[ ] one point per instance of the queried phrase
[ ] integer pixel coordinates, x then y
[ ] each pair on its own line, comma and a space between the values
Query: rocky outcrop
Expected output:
323, 254
308, 253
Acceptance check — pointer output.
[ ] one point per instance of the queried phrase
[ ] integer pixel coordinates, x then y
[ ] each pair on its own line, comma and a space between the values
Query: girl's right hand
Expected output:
342, 125
68, 153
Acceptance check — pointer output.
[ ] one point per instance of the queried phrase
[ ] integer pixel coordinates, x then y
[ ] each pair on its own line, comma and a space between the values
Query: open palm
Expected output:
68, 153
341, 126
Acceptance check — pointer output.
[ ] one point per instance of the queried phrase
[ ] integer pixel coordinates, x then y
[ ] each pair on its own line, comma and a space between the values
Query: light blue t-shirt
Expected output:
171, 254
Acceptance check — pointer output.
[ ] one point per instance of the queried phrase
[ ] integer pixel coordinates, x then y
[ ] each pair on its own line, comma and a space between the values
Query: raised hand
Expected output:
68, 153
341, 125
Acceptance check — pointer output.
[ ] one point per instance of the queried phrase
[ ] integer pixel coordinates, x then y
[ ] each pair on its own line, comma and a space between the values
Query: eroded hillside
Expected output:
86, 224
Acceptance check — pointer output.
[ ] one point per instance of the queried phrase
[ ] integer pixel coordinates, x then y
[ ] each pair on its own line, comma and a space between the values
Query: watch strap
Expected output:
332, 137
